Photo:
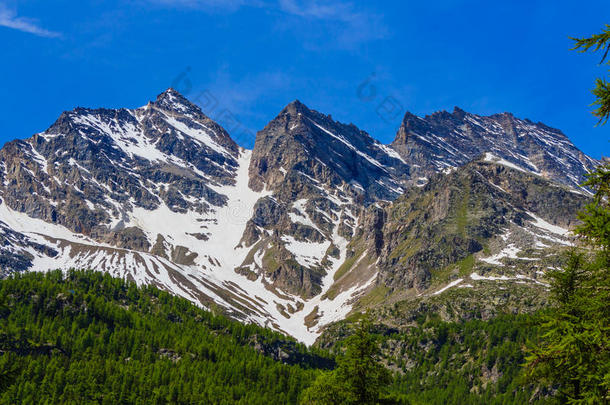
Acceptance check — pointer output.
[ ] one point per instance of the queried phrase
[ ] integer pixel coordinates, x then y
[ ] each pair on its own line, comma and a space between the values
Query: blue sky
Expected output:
361, 62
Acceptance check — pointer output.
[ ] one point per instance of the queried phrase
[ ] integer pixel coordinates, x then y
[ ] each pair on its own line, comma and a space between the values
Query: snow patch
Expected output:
451, 284
477, 277
490, 157
307, 254
390, 152
541, 223
350, 146
509, 251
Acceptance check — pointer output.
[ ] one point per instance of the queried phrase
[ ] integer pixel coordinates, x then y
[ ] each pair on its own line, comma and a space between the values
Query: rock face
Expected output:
321, 173
92, 167
454, 223
486, 233
306, 146
443, 141
319, 219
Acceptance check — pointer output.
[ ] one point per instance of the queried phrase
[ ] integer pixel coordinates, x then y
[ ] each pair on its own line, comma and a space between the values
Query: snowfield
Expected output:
212, 275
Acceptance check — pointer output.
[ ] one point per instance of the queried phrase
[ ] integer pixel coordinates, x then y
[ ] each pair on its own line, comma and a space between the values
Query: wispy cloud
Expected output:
207, 5
339, 22
348, 24
9, 19
331, 10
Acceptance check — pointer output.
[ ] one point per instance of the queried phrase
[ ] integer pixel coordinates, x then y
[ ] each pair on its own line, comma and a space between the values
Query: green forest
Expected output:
85, 337
82, 336
91, 338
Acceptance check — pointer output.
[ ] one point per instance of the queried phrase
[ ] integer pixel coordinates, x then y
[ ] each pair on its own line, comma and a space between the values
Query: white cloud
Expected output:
313, 9
9, 19
208, 5
348, 24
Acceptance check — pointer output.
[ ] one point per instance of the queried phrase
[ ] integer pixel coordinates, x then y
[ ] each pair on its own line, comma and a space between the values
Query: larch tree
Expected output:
572, 355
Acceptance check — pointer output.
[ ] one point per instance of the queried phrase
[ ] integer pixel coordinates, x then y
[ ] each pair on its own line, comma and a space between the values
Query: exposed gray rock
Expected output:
158, 195
444, 140
93, 167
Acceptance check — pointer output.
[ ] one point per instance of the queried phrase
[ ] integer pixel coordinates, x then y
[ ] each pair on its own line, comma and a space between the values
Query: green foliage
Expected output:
595, 228
87, 337
360, 377
466, 363
360, 369
602, 87
8, 372
573, 352
326, 389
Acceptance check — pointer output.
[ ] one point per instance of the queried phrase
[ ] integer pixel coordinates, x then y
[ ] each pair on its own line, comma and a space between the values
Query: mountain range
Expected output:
461, 214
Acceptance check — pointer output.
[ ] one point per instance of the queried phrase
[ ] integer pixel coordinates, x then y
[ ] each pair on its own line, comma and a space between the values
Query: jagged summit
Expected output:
172, 100
295, 232
327, 150
170, 92
295, 106
443, 140
297, 113
171, 95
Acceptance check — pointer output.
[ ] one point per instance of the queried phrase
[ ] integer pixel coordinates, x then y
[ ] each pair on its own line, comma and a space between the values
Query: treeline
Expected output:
85, 337
472, 362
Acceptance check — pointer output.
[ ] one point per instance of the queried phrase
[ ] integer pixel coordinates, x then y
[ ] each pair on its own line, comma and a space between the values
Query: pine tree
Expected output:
8, 372
360, 378
362, 373
602, 87
574, 350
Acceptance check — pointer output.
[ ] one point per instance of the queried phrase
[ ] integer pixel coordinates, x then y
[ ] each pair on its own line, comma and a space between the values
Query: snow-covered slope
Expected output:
162, 195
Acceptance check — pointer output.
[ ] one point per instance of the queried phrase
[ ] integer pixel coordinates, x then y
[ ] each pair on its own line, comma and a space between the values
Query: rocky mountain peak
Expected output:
409, 118
296, 113
295, 231
295, 107
459, 113
329, 151
321, 173
93, 168
442, 141
172, 100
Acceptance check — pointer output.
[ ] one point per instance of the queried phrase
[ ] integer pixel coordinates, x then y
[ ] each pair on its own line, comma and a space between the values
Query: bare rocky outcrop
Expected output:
322, 173
457, 215
444, 140
162, 195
